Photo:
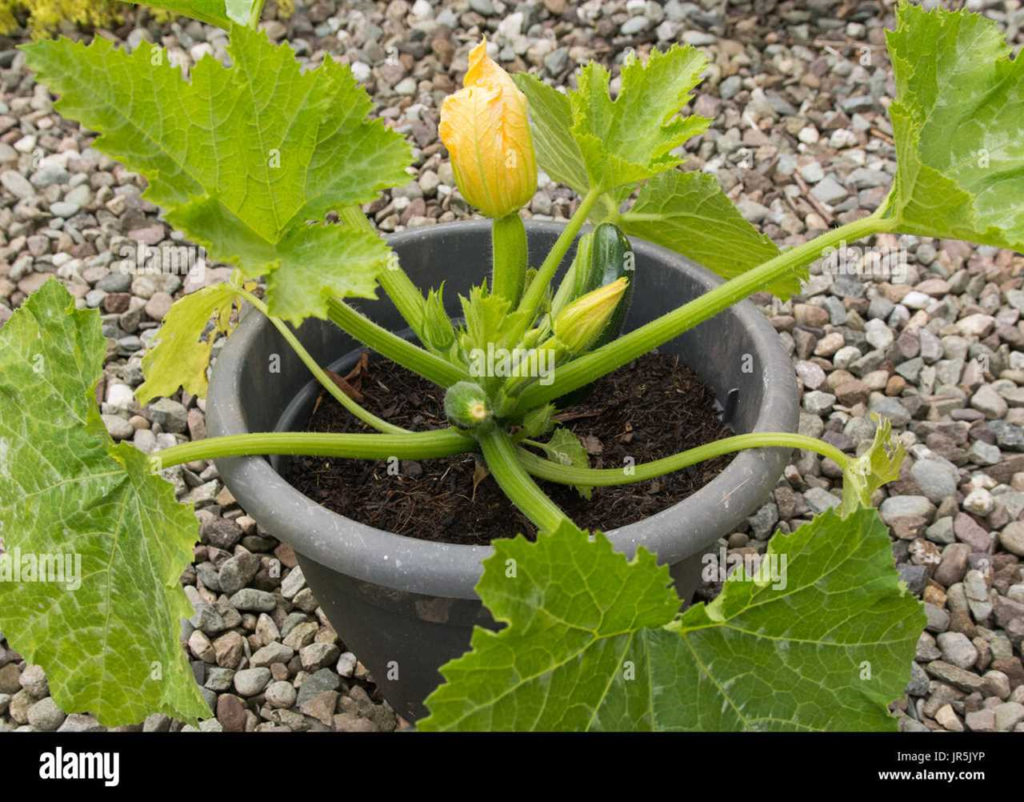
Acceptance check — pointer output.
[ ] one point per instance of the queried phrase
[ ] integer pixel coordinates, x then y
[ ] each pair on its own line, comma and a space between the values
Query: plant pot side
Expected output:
406, 606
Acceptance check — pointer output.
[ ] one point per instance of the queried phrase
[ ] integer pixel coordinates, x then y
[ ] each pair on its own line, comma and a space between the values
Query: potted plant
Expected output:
254, 161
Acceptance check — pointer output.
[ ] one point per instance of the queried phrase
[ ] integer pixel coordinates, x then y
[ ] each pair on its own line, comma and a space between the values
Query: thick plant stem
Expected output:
412, 445
321, 376
509, 255
607, 477
406, 297
623, 350
503, 463
393, 347
534, 294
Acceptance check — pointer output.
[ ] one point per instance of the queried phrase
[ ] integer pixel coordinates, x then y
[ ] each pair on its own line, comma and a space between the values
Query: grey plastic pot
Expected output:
407, 606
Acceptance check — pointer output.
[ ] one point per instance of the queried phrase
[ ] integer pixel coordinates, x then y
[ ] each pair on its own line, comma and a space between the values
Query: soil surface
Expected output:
647, 410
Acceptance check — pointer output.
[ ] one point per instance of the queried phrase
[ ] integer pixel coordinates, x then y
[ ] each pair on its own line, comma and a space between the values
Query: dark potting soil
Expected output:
647, 410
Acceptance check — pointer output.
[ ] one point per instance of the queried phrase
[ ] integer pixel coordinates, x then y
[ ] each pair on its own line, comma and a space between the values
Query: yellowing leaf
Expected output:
182, 351
106, 628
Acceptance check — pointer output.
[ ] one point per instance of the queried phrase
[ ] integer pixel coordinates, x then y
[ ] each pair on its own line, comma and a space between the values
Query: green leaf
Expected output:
688, 213
877, 466
109, 638
241, 158
828, 651
538, 421
183, 346
631, 138
551, 119
565, 448
593, 642
486, 316
213, 12
958, 122
575, 610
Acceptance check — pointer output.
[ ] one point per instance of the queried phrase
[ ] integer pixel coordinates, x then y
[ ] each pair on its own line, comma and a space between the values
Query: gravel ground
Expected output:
800, 141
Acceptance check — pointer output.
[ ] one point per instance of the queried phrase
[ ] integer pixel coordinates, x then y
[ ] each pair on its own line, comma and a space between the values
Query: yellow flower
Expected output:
579, 325
487, 133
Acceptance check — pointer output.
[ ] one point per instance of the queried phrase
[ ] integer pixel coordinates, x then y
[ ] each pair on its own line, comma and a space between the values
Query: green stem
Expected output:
321, 376
564, 474
393, 347
534, 294
592, 366
406, 297
412, 445
503, 463
509, 258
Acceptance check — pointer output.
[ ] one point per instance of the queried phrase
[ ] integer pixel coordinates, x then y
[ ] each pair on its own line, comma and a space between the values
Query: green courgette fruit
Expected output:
611, 258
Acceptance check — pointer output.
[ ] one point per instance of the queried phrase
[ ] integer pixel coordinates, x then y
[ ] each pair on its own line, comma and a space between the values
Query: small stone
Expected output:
251, 681
321, 707
253, 601
170, 414
981, 720
936, 479
897, 507
948, 719
988, 401
1012, 538
45, 716
281, 694
957, 649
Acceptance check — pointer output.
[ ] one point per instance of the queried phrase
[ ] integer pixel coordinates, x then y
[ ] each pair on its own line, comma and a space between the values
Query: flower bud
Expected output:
487, 132
579, 325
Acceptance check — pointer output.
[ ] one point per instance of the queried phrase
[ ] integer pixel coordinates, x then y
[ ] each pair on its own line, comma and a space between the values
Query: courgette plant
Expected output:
266, 166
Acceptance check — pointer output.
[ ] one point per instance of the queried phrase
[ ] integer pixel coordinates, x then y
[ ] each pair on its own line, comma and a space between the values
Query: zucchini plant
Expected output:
267, 165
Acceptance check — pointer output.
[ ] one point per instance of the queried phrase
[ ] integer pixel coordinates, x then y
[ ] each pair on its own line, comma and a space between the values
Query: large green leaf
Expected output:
688, 213
828, 651
958, 121
214, 12
595, 642
586, 140
629, 139
242, 158
685, 212
576, 612
108, 634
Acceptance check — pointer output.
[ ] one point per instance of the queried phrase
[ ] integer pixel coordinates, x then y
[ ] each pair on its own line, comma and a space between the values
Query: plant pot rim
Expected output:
452, 570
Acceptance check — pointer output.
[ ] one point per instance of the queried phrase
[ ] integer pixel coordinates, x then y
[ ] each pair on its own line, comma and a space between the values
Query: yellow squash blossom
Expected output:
487, 133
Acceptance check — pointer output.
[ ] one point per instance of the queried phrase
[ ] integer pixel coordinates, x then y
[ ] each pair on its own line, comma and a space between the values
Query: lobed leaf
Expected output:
630, 139
958, 122
575, 612
594, 642
241, 157
107, 630
685, 212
